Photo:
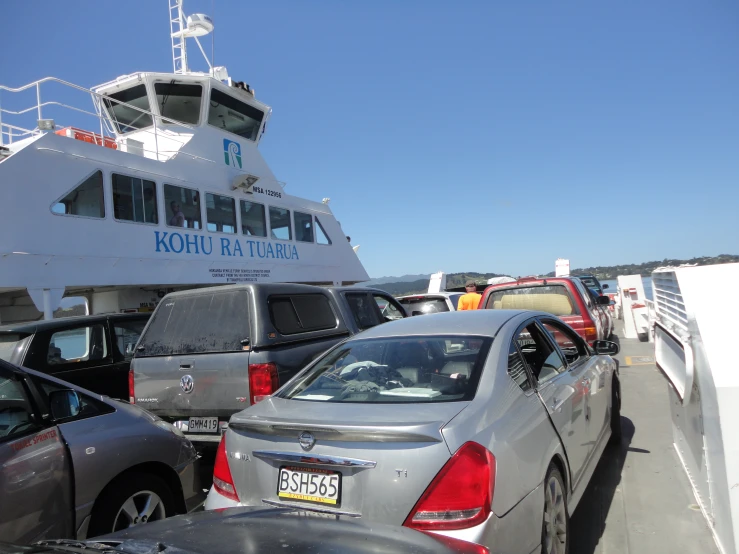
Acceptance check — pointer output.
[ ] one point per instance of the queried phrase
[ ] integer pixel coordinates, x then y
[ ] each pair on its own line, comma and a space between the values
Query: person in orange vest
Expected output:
470, 300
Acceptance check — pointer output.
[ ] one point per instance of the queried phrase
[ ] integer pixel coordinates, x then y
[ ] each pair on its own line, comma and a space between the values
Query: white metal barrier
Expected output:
694, 331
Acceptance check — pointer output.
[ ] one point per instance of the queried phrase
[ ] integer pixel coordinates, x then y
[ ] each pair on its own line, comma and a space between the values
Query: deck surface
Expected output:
640, 499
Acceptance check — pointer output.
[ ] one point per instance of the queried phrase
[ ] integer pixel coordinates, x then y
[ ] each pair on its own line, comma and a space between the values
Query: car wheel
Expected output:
556, 523
132, 500
616, 431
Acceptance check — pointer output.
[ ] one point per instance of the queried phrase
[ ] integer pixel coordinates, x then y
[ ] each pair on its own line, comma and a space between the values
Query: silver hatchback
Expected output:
484, 426
74, 464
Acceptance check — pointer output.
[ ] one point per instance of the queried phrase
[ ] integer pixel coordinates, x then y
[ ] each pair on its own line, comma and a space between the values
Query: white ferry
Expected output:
164, 189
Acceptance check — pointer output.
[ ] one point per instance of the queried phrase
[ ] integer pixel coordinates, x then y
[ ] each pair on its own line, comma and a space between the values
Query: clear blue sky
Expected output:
460, 136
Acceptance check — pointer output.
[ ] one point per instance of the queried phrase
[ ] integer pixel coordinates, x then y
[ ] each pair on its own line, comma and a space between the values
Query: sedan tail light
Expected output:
223, 482
461, 494
131, 394
263, 381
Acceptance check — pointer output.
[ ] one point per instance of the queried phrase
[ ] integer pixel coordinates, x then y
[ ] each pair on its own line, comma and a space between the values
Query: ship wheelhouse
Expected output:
176, 105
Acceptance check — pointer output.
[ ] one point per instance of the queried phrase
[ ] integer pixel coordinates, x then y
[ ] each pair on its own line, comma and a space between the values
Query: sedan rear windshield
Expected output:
395, 370
553, 299
424, 305
197, 324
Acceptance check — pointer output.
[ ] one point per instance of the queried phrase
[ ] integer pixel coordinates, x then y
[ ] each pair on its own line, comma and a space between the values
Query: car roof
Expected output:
484, 323
430, 294
352, 288
265, 288
528, 281
43, 325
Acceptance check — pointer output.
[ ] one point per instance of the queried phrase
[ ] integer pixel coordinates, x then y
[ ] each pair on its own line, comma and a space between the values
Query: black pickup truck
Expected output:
209, 353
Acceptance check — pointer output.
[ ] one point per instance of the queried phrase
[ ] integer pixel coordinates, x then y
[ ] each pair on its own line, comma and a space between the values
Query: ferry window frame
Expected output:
236, 214
229, 93
264, 218
107, 104
325, 234
271, 235
175, 82
105, 203
312, 227
167, 205
156, 200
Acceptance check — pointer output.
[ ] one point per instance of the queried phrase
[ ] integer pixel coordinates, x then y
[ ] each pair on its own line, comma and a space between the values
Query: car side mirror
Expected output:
606, 347
604, 287
603, 301
64, 404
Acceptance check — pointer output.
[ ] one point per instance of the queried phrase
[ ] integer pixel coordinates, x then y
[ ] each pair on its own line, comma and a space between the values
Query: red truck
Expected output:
565, 297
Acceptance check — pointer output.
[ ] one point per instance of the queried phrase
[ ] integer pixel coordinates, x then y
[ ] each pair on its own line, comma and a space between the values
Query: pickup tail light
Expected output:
461, 494
263, 381
222, 480
131, 394
591, 333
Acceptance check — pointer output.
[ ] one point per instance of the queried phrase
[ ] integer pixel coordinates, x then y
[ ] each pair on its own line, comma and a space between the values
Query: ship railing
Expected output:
10, 133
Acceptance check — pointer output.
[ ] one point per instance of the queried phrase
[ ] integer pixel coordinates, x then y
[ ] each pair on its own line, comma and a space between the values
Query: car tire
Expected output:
616, 431
123, 503
555, 528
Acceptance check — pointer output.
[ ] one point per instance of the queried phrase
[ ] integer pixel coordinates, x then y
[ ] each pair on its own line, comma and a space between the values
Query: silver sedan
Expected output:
484, 426
74, 464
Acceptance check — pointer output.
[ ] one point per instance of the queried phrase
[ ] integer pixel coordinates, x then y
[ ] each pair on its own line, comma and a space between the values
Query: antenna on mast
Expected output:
181, 28
177, 27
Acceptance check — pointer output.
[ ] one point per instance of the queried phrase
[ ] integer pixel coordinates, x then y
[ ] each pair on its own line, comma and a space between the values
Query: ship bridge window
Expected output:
279, 223
128, 119
232, 115
183, 207
179, 101
134, 199
303, 227
85, 200
221, 213
321, 235
253, 221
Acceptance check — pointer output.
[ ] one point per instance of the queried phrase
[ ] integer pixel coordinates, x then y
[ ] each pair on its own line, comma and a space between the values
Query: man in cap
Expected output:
470, 300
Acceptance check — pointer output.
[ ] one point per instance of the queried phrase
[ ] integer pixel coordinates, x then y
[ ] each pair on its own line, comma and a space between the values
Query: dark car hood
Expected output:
259, 530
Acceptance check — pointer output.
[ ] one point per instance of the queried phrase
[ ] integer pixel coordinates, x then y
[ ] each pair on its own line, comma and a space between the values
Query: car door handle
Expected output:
557, 404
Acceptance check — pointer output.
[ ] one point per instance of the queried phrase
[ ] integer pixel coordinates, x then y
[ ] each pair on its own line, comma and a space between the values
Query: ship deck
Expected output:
639, 499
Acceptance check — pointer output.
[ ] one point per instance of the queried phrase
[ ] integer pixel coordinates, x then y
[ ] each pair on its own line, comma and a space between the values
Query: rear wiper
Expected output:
108, 547
62, 545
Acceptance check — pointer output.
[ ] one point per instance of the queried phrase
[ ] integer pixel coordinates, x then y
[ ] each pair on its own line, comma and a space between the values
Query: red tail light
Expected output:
222, 480
263, 381
131, 394
461, 494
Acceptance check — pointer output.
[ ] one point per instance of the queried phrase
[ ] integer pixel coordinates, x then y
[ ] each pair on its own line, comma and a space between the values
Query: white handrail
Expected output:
106, 118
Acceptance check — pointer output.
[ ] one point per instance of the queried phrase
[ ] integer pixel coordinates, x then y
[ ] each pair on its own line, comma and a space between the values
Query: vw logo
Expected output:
187, 384
306, 440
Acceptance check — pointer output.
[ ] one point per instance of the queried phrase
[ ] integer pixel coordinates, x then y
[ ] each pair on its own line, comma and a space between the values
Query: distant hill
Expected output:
645, 269
79, 309
453, 280
403, 279
414, 284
